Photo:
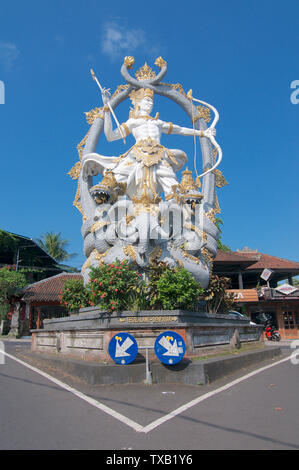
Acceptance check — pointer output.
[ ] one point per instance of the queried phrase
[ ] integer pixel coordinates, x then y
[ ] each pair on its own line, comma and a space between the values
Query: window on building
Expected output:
288, 320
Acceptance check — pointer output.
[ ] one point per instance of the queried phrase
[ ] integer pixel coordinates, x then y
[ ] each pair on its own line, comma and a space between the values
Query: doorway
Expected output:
289, 324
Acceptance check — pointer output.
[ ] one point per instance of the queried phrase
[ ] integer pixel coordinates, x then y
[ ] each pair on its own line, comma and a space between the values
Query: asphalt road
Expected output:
260, 412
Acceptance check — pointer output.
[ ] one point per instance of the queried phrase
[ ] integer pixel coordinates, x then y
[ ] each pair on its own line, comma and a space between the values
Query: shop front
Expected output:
282, 309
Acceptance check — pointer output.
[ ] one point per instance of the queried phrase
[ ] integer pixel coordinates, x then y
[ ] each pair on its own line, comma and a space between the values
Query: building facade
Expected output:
259, 298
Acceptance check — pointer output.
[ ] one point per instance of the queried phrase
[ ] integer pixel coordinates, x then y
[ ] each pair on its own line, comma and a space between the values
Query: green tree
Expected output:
74, 295
55, 246
10, 282
112, 286
177, 288
7, 242
154, 272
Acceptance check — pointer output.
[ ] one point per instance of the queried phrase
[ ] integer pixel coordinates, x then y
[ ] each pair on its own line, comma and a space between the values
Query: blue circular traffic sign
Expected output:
170, 347
123, 348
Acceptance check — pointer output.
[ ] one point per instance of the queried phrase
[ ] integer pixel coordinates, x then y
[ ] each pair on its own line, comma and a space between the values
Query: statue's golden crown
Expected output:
145, 72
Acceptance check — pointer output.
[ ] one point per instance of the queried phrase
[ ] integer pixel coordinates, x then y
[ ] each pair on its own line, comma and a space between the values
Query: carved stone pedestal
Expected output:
87, 335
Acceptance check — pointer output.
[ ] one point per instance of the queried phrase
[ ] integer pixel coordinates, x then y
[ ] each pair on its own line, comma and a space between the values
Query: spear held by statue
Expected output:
106, 92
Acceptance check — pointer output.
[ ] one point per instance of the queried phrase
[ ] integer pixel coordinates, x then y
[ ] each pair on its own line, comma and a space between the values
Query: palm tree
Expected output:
55, 246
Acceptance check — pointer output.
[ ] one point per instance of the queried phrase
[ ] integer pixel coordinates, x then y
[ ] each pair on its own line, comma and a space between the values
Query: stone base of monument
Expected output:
87, 335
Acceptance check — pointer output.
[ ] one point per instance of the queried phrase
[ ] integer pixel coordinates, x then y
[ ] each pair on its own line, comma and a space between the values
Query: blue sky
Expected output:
239, 56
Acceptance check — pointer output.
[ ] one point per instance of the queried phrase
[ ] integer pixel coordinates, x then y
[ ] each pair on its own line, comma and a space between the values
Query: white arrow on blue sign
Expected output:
170, 347
123, 348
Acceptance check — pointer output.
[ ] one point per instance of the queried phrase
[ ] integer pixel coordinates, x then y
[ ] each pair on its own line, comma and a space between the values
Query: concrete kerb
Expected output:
196, 372
25, 339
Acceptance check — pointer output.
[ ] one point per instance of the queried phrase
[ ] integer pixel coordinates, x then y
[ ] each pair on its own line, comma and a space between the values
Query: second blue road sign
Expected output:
170, 347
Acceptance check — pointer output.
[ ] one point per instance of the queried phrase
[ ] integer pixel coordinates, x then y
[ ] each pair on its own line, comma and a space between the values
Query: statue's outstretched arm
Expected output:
170, 128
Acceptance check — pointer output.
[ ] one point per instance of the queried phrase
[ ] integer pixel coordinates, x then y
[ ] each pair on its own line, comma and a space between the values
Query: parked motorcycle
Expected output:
271, 333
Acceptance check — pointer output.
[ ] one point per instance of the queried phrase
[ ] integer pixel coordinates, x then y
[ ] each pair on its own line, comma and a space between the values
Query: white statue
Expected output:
124, 215
147, 162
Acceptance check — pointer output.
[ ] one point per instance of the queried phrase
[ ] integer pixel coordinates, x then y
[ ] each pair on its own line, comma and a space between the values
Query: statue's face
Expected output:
146, 105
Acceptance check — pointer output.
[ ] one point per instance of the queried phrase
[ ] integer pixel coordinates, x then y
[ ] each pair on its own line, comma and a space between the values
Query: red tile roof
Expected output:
263, 261
47, 290
258, 261
232, 257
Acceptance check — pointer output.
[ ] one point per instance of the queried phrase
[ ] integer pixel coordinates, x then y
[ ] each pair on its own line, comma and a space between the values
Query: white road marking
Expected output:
194, 402
132, 424
137, 427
